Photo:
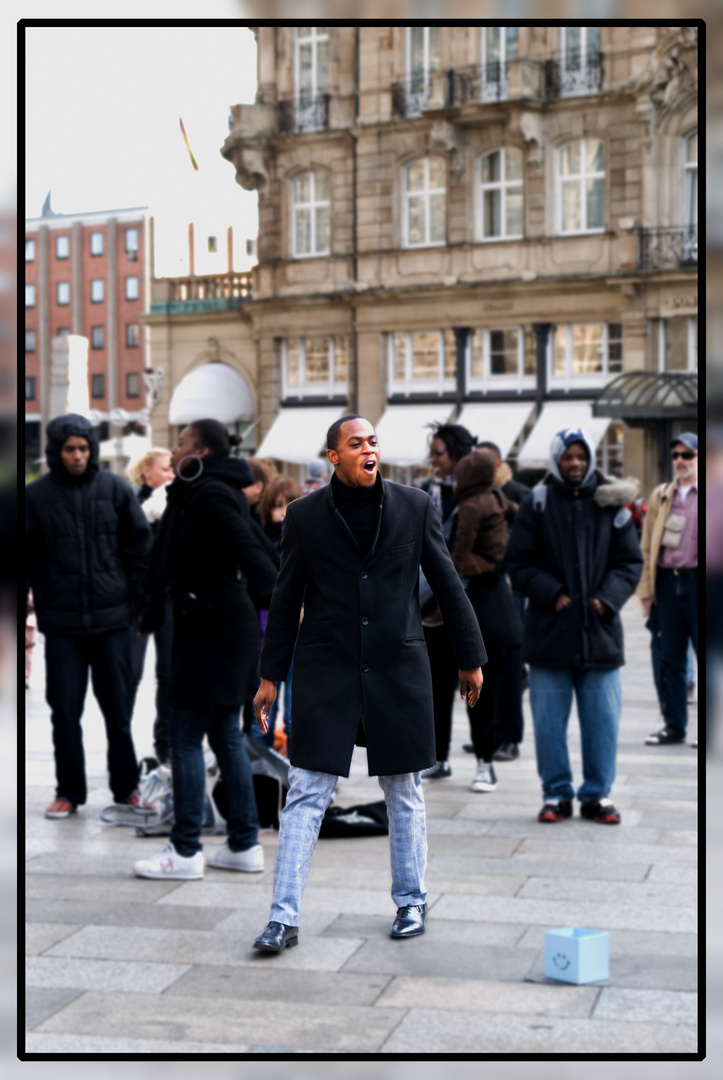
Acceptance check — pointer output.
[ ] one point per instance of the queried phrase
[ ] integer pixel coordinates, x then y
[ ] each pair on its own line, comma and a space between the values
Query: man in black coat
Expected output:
573, 551
351, 553
86, 548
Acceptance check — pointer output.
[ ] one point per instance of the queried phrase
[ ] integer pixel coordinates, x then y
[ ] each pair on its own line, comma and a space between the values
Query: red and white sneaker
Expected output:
60, 807
169, 864
600, 810
136, 802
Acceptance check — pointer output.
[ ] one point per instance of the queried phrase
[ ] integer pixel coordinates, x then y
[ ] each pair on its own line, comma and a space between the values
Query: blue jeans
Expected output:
222, 725
599, 701
307, 799
676, 596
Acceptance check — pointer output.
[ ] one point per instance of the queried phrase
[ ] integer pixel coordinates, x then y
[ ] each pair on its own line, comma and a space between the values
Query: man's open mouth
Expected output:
369, 466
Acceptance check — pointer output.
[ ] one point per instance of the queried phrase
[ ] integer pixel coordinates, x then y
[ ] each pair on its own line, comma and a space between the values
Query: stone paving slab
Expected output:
56, 972
200, 947
111, 890
488, 996
78, 1045
580, 832
673, 873
40, 936
542, 867
264, 983
248, 925
42, 1002
339, 1029
639, 853
647, 1006
651, 971
428, 1031
376, 928
600, 915
424, 957
125, 914
616, 892
630, 943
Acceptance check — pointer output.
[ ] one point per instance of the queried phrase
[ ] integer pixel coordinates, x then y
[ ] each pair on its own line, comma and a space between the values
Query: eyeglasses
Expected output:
687, 455
437, 453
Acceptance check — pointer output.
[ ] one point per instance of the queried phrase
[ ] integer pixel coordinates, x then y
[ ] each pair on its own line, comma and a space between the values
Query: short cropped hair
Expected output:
487, 445
334, 433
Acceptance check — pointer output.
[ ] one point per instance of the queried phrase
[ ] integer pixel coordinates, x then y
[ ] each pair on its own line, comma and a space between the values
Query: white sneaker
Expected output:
251, 860
485, 780
169, 864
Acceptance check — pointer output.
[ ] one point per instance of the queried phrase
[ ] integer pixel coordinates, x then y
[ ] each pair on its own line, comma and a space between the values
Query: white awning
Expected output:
556, 416
499, 422
130, 446
299, 435
403, 432
216, 391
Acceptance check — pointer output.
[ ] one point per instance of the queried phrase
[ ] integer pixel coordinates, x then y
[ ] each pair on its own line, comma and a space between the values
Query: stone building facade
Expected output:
483, 223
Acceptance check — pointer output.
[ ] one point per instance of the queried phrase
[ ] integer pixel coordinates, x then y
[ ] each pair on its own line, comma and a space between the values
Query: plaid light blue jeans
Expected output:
307, 799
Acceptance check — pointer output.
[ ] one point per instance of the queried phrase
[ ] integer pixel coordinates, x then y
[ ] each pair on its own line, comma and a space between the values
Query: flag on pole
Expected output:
188, 146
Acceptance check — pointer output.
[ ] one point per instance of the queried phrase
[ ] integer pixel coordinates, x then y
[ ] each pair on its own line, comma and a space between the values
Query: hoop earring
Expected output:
189, 479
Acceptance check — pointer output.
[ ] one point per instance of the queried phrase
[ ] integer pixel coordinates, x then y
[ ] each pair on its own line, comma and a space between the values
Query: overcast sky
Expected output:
102, 131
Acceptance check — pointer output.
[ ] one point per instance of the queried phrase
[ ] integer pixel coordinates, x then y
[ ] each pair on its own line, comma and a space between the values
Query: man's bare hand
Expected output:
140, 633
265, 697
598, 607
470, 686
647, 603
562, 601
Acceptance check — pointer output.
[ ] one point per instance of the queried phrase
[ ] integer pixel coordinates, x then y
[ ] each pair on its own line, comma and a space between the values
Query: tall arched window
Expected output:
311, 214
501, 194
581, 186
425, 202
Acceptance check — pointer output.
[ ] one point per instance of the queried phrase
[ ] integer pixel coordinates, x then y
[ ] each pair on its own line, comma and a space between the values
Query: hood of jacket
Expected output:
474, 472
60, 429
559, 444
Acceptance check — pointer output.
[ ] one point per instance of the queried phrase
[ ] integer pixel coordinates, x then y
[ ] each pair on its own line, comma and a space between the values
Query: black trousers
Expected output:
68, 661
163, 640
445, 679
483, 718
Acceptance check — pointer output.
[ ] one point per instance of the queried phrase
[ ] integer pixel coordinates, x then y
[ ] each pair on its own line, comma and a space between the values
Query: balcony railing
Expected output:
209, 292
573, 74
495, 81
668, 249
304, 112
416, 93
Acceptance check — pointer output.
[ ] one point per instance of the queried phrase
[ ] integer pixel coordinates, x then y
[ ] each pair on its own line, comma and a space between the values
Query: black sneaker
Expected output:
440, 771
468, 748
600, 810
506, 751
664, 737
555, 810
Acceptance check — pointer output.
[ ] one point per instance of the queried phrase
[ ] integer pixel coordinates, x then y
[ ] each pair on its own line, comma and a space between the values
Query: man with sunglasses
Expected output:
670, 580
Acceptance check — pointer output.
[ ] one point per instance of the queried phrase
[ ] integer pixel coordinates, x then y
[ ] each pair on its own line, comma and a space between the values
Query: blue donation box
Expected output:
576, 955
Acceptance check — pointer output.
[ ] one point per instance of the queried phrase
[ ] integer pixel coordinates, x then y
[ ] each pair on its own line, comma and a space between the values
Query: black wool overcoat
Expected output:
361, 654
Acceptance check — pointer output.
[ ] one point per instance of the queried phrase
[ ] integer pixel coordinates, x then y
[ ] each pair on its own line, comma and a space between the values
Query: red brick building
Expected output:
86, 274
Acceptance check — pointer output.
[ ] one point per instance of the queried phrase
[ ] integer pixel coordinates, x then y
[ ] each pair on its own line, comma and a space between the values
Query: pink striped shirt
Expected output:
685, 556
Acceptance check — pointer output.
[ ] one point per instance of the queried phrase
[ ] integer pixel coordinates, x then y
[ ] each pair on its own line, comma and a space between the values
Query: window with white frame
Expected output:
314, 367
580, 64
62, 247
29, 296
424, 56
29, 251
131, 240
311, 66
30, 341
678, 344
133, 337
585, 354
311, 214
501, 358
96, 291
690, 197
96, 243
63, 293
501, 197
131, 288
422, 362
499, 47
425, 202
581, 186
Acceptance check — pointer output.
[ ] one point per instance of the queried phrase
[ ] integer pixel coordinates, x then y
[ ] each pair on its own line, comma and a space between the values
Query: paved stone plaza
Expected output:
122, 965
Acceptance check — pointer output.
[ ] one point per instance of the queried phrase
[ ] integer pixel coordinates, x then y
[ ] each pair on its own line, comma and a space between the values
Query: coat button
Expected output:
365, 622
364, 574
365, 667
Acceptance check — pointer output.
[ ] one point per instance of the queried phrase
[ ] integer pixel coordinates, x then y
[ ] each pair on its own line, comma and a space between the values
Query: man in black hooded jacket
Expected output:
86, 543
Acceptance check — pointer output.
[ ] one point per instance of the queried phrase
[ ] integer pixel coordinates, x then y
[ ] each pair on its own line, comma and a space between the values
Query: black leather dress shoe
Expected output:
276, 937
409, 921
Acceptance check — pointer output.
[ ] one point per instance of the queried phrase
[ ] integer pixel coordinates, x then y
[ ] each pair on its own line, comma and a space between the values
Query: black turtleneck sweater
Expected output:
359, 506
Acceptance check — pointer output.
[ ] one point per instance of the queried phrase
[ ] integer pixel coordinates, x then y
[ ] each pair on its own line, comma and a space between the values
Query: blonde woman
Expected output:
149, 477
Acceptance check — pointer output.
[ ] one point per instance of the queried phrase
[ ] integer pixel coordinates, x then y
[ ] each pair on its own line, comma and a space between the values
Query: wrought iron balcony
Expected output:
416, 93
495, 81
573, 74
668, 249
304, 112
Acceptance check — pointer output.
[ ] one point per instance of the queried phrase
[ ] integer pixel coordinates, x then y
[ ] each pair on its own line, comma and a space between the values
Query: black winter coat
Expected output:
361, 652
583, 544
213, 559
86, 541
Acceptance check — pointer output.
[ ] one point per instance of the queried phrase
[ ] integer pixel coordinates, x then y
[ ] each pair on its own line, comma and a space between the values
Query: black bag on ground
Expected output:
366, 819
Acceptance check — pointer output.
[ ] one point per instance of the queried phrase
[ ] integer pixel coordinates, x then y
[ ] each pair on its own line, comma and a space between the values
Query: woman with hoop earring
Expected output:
208, 553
